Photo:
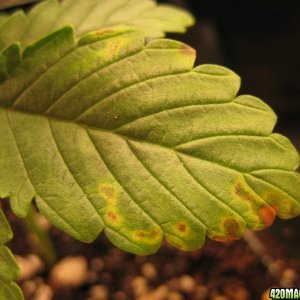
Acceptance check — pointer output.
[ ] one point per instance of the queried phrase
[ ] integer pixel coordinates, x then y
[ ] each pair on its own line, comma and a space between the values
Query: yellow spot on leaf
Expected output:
140, 235
148, 236
112, 216
232, 231
243, 193
108, 191
182, 228
104, 31
265, 212
232, 228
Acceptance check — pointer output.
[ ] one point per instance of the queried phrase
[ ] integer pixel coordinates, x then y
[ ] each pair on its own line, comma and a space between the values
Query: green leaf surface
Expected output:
10, 58
86, 16
10, 291
9, 270
6, 233
3, 17
110, 133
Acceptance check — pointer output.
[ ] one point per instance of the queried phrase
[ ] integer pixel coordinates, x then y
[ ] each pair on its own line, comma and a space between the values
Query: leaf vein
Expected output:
19, 151
86, 77
125, 87
70, 172
207, 190
163, 185
117, 180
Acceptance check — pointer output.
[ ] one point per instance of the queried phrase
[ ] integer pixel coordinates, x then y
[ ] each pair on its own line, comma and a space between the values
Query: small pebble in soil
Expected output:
175, 296
140, 286
160, 293
288, 278
99, 292
201, 292
187, 284
220, 297
236, 292
149, 271
69, 272
29, 287
29, 266
120, 296
44, 292
173, 284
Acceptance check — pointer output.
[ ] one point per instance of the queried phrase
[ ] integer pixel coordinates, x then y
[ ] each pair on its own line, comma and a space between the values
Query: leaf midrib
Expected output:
170, 148
128, 139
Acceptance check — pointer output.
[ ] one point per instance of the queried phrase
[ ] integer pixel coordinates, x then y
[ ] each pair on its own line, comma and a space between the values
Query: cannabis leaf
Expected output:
86, 16
109, 133
9, 3
8, 267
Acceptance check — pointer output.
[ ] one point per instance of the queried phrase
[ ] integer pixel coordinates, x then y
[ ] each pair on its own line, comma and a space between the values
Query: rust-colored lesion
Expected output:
224, 239
264, 209
231, 229
242, 193
104, 31
187, 50
283, 207
112, 216
108, 191
267, 215
148, 236
182, 227
140, 235
155, 233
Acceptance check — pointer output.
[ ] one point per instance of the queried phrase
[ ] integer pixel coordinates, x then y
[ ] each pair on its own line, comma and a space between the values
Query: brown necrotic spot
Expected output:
242, 193
112, 216
182, 227
148, 236
187, 50
232, 228
140, 235
108, 191
155, 233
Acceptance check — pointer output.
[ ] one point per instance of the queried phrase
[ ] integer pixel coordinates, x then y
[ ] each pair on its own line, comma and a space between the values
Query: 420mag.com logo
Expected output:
284, 293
